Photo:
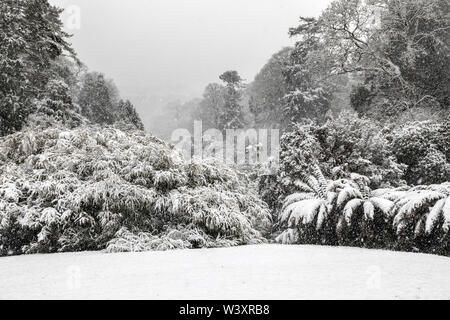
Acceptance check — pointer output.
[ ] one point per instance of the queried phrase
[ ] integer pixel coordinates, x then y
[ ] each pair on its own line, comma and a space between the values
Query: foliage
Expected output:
360, 156
221, 105
411, 219
396, 52
31, 39
56, 105
127, 113
100, 102
424, 147
211, 106
350, 144
343, 145
308, 96
70, 190
126, 241
268, 90
96, 99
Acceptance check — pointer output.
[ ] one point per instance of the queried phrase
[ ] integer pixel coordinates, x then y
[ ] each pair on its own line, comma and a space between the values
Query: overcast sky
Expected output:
182, 45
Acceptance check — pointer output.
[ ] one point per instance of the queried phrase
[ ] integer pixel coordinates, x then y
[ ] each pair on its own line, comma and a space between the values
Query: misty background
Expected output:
163, 51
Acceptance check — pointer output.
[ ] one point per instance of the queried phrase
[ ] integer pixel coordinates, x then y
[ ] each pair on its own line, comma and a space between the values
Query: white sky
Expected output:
182, 45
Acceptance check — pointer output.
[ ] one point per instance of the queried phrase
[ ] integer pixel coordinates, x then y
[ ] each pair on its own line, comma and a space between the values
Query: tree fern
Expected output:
440, 212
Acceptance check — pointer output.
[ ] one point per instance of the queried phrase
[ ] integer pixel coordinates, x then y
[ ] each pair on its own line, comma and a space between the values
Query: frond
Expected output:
288, 236
341, 224
332, 196
321, 180
420, 226
49, 216
302, 187
302, 212
369, 210
384, 205
313, 183
433, 216
414, 204
392, 195
322, 216
350, 208
446, 215
380, 192
296, 197
347, 194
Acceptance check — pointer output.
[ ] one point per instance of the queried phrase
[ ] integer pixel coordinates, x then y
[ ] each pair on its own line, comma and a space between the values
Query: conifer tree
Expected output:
31, 39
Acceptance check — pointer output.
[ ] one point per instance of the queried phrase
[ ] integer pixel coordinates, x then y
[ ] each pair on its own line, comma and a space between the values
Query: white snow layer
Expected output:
248, 272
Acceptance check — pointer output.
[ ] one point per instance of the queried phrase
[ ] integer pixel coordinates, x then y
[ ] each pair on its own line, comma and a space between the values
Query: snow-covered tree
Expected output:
416, 216
211, 107
363, 217
127, 113
221, 106
31, 39
307, 96
351, 144
96, 99
304, 213
231, 117
268, 90
56, 105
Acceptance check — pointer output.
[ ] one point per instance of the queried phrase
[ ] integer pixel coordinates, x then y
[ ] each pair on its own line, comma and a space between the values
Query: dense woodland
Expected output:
362, 101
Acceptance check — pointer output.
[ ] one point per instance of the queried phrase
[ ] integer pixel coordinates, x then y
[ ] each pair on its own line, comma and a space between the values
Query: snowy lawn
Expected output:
249, 272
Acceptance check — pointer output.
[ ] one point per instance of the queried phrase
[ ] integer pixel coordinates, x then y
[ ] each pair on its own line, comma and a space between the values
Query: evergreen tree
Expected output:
268, 89
96, 99
307, 96
128, 114
231, 117
31, 38
57, 105
211, 106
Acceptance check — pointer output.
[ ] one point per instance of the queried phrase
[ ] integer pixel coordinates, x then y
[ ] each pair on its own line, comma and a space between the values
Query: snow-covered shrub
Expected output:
341, 147
411, 219
79, 189
425, 149
350, 144
126, 241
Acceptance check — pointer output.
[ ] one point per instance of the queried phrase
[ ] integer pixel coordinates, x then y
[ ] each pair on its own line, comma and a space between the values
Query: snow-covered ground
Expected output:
250, 272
